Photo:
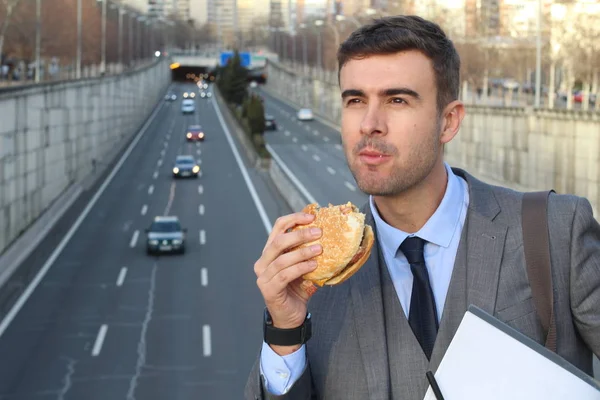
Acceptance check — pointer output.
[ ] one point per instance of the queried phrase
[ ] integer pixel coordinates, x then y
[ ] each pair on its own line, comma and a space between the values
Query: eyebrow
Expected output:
382, 93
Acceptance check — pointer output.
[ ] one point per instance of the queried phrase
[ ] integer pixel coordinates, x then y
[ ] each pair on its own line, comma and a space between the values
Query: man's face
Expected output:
390, 124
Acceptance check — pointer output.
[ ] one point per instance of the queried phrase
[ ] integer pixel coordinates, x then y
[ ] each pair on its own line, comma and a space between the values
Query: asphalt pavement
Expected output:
107, 321
313, 152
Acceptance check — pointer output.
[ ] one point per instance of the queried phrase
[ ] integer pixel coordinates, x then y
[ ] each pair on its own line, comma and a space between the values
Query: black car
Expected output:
165, 235
270, 123
185, 167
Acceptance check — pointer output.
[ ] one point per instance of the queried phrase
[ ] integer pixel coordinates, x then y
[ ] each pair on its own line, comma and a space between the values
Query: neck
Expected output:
410, 210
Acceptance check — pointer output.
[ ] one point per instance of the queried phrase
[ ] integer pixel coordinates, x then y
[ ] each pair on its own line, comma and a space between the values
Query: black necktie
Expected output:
422, 316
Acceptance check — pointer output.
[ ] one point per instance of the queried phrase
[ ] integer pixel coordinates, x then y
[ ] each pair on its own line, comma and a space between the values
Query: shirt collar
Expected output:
440, 227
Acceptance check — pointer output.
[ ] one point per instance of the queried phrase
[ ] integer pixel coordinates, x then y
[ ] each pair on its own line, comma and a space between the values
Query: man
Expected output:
375, 336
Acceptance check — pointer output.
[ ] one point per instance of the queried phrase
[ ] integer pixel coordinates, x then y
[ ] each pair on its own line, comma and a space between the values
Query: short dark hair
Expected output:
389, 35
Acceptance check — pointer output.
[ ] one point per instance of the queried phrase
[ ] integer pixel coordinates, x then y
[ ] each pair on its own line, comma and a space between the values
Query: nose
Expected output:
373, 122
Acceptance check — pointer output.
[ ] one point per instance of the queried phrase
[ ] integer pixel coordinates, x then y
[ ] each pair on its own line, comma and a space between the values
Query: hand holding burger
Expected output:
306, 250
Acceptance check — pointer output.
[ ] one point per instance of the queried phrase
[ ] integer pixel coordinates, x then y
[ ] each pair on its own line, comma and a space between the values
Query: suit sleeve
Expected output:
585, 274
257, 387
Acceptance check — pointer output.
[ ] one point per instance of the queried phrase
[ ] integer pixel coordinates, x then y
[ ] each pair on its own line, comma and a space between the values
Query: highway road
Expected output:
313, 151
108, 321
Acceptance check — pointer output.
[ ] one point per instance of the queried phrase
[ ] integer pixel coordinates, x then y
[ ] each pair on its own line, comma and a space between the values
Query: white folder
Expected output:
487, 359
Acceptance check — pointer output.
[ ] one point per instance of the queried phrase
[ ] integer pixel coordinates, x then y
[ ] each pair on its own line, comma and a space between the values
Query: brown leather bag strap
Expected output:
537, 257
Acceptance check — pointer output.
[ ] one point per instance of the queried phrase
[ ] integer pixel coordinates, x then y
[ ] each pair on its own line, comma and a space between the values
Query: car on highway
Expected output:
305, 114
194, 133
270, 123
185, 167
204, 94
170, 96
189, 95
188, 106
165, 235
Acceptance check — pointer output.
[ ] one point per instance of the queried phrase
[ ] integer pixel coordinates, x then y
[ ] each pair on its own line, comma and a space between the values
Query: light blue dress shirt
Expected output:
442, 233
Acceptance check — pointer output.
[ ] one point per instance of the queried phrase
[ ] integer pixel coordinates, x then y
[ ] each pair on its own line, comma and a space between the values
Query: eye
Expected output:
398, 100
353, 101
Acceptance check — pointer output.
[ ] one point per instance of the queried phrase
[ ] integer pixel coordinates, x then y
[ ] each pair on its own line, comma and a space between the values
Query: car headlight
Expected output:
175, 170
201, 135
153, 242
196, 169
193, 95
176, 241
189, 135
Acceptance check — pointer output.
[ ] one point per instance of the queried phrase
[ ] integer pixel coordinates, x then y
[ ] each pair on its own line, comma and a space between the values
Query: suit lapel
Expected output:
369, 321
477, 264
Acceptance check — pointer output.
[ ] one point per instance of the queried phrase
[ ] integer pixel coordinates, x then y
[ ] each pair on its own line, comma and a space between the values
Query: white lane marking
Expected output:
200, 189
304, 147
290, 175
199, 161
159, 163
331, 170
168, 136
295, 139
166, 144
206, 346
257, 202
308, 129
201, 209
316, 157
316, 132
99, 340
171, 197
204, 276
202, 236
350, 186
155, 175
287, 133
144, 209
198, 152
134, 238
338, 146
151, 189
121, 277
325, 138
10, 316
162, 153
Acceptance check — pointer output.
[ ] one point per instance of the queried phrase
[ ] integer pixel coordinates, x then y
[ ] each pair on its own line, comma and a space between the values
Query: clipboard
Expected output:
488, 359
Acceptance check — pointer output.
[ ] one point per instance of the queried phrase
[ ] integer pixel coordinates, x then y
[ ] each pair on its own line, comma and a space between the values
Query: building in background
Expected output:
179, 8
353, 7
482, 18
157, 9
222, 21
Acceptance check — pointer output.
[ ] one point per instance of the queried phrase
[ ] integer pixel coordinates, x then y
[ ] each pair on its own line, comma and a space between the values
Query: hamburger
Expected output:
346, 241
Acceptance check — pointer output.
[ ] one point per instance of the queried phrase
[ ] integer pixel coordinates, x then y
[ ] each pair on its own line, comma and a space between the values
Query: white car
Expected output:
305, 114
188, 106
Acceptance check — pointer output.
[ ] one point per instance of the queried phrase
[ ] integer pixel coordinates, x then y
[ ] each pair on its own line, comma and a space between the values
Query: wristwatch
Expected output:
286, 337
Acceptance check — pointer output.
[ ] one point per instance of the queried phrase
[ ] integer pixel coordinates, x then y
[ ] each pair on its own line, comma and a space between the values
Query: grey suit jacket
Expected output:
363, 348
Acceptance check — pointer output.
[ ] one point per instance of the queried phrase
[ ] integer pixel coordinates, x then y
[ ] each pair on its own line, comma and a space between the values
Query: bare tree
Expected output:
7, 9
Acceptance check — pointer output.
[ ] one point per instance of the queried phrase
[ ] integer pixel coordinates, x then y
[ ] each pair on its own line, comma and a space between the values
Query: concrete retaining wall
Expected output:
53, 136
521, 148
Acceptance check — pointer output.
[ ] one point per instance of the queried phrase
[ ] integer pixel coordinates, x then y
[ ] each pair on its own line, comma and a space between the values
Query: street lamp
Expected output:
319, 23
79, 34
538, 56
103, 40
38, 34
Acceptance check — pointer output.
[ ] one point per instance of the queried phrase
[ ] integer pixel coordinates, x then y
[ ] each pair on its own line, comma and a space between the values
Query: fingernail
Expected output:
315, 231
315, 247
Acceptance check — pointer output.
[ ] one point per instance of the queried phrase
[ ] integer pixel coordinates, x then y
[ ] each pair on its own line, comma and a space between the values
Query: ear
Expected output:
451, 119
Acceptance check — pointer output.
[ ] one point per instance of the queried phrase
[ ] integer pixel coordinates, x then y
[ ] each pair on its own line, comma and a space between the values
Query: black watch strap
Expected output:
286, 337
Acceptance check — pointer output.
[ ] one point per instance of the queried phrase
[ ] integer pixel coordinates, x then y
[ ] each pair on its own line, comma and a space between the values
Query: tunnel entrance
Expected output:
182, 73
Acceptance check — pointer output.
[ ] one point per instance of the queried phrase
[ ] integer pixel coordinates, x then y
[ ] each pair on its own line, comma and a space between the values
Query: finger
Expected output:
289, 259
286, 222
280, 281
286, 241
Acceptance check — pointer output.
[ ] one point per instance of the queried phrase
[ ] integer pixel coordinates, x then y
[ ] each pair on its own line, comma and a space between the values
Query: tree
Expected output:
234, 80
256, 115
7, 9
